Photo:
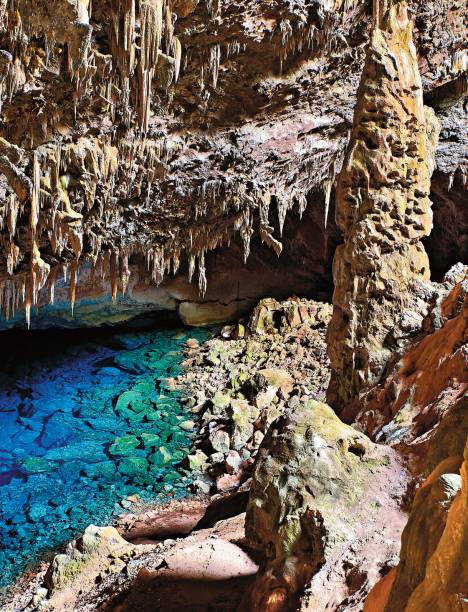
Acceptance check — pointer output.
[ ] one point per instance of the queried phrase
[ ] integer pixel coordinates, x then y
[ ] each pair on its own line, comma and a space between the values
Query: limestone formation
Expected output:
432, 574
421, 406
383, 209
421, 536
306, 502
139, 136
97, 546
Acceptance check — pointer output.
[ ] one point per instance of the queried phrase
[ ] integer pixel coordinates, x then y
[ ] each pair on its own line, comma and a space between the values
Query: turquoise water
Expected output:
86, 419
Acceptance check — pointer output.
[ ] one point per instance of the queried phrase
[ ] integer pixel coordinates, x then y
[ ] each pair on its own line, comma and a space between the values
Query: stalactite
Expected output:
234, 47
282, 207
51, 283
379, 8
35, 197
201, 273
12, 257
12, 208
123, 39
213, 7
191, 269
73, 284
177, 53
168, 26
151, 34
214, 61
114, 277
124, 272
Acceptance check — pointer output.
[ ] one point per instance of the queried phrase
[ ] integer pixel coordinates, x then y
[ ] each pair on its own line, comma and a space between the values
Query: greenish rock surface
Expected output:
124, 445
132, 466
305, 496
36, 465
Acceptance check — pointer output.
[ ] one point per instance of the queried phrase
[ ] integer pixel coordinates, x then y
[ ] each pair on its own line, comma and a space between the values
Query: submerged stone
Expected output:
36, 465
150, 440
83, 428
124, 445
133, 465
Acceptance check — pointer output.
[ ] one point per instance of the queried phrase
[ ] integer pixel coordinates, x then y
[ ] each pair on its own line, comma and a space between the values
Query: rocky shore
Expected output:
242, 380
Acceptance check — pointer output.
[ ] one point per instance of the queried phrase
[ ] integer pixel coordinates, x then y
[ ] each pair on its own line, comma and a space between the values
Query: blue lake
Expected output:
86, 419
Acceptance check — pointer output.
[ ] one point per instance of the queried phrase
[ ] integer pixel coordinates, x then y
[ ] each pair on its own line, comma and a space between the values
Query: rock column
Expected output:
383, 209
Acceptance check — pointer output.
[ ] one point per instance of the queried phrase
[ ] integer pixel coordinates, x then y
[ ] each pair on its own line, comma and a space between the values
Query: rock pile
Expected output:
244, 379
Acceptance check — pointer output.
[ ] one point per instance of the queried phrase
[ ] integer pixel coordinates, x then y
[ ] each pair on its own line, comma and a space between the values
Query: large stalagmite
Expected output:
383, 209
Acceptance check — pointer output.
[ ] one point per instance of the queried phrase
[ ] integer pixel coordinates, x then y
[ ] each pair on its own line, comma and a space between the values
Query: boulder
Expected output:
277, 378
124, 445
271, 316
232, 462
97, 545
197, 461
220, 440
306, 500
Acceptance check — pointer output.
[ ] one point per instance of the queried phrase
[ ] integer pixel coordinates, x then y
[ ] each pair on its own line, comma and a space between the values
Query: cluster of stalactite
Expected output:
143, 49
96, 176
71, 201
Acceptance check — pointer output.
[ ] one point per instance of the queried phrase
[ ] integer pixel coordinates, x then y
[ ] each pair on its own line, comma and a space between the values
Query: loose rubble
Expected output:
242, 380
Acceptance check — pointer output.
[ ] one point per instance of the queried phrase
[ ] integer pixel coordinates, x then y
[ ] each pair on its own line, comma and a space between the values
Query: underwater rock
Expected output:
124, 445
89, 436
131, 466
36, 465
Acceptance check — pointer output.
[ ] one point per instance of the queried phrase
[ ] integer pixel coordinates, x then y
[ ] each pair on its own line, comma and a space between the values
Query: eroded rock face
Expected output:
421, 407
421, 536
307, 504
151, 133
383, 208
433, 567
